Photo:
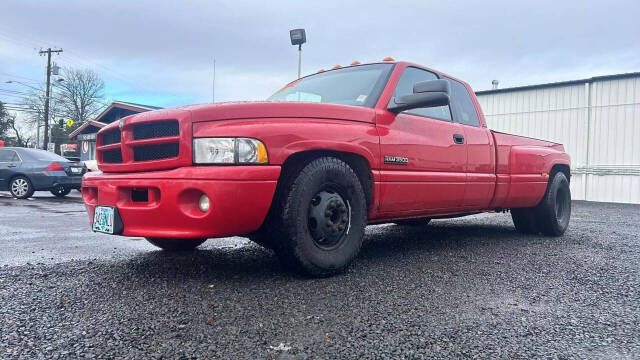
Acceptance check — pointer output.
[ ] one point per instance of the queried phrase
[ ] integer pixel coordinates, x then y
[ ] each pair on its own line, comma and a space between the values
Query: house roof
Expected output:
561, 83
84, 126
115, 104
139, 105
126, 105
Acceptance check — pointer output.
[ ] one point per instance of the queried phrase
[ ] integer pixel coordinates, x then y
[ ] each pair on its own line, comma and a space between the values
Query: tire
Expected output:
176, 244
21, 187
554, 211
524, 220
262, 238
60, 191
413, 222
319, 218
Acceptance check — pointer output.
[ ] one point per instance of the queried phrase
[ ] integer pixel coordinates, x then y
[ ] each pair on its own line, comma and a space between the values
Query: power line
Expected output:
20, 77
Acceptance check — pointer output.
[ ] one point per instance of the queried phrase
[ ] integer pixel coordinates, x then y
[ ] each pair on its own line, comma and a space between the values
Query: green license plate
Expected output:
103, 219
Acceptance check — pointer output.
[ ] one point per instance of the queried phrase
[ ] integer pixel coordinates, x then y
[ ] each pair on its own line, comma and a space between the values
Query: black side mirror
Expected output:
430, 93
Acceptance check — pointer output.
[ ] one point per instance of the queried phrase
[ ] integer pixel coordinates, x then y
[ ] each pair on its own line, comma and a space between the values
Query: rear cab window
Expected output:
464, 111
410, 76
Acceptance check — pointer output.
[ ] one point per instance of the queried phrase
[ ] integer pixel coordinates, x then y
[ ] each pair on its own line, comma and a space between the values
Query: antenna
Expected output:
213, 88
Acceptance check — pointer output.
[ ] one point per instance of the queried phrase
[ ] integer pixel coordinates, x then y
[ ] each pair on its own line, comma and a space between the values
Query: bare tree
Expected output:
78, 97
5, 121
79, 94
14, 133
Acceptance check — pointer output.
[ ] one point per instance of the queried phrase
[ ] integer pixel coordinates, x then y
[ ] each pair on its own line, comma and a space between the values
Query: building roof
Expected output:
126, 105
138, 105
561, 83
84, 126
138, 108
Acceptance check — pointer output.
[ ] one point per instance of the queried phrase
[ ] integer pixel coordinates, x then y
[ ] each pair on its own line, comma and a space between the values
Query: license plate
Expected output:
103, 219
76, 170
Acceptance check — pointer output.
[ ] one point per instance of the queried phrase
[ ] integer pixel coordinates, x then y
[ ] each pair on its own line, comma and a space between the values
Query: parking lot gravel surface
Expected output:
467, 287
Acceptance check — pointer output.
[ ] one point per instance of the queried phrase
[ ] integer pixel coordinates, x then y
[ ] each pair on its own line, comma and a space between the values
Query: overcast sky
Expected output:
158, 53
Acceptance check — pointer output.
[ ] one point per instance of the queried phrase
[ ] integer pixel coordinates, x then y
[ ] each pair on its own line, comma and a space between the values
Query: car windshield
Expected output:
357, 85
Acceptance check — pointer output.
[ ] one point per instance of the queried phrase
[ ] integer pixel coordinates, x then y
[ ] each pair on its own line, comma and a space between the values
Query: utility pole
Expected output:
46, 100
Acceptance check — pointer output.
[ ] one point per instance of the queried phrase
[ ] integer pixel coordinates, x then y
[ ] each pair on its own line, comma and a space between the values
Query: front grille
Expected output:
112, 156
156, 130
155, 152
112, 137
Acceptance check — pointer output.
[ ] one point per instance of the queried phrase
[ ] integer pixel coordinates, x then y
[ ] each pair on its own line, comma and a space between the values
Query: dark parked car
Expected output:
23, 171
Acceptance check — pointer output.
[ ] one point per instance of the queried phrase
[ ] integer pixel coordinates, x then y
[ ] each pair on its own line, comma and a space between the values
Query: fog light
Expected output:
204, 203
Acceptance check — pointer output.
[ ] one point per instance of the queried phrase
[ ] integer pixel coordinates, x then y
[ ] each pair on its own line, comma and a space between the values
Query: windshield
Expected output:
357, 85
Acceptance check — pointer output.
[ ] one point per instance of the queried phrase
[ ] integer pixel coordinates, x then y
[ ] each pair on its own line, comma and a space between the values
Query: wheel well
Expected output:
15, 176
295, 162
560, 167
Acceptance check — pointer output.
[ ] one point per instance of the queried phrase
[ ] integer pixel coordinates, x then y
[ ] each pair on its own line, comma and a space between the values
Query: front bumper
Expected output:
240, 199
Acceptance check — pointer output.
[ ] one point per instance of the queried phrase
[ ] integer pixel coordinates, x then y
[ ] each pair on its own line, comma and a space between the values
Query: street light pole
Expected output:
299, 61
298, 37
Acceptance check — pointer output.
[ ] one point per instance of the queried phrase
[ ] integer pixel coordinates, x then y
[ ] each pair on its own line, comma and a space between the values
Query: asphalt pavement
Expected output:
461, 288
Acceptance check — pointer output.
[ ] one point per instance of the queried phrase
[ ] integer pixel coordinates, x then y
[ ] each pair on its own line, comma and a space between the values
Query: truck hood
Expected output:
270, 109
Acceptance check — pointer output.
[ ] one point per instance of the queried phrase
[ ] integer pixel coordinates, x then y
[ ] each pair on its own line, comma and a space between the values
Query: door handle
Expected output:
11, 165
458, 139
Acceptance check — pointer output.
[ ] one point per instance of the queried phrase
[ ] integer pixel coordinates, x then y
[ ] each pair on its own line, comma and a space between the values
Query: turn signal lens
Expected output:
204, 203
263, 158
55, 166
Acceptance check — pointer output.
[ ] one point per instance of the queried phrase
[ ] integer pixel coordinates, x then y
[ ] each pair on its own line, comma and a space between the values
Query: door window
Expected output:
411, 76
464, 111
8, 156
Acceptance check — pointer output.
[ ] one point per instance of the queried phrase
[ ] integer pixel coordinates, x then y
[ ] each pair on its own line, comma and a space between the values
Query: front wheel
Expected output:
322, 216
176, 244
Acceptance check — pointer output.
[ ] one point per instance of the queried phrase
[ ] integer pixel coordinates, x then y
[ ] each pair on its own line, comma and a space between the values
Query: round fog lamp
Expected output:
204, 203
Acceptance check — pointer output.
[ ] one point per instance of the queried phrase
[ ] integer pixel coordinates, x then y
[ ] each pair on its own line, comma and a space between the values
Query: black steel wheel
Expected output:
328, 219
320, 218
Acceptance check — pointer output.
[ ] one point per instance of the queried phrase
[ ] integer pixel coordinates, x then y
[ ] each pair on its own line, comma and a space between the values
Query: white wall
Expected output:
598, 122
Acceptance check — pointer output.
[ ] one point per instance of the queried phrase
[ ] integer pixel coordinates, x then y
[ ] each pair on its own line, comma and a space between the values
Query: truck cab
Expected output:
305, 171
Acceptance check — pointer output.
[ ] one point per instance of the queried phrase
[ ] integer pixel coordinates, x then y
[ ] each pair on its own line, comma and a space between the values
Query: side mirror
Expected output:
426, 94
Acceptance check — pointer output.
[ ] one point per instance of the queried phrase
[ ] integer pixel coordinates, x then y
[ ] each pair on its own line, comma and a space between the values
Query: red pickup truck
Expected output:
304, 172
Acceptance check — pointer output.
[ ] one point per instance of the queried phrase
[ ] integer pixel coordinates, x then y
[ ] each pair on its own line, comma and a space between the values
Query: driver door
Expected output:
423, 156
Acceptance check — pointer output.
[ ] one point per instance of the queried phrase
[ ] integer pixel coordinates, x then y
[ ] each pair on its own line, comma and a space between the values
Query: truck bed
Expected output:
522, 169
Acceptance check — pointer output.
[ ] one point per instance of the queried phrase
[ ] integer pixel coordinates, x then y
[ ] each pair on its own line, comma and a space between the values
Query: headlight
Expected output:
229, 151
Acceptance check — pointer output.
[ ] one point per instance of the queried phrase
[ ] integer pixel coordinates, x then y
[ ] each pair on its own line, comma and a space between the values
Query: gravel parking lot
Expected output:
468, 287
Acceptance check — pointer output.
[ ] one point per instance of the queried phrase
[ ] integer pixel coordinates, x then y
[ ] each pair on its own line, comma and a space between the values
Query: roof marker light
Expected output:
336, 67
355, 62
388, 58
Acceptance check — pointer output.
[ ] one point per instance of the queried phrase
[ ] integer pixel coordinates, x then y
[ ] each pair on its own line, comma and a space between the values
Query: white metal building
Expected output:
597, 120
